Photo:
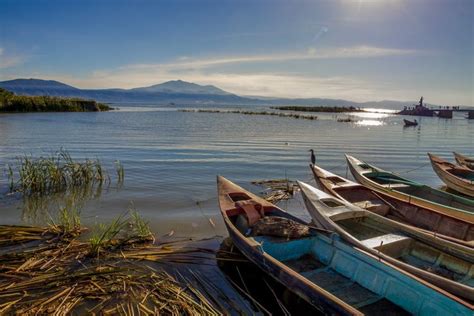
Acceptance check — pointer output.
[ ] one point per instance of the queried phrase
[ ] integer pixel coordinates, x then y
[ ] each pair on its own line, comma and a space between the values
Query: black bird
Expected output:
313, 157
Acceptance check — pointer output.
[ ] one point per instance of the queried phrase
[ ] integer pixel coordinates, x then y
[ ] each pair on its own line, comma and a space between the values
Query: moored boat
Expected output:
409, 191
457, 178
464, 160
410, 123
438, 224
324, 270
445, 264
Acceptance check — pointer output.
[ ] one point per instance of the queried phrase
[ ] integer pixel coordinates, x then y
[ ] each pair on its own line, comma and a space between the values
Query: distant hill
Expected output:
179, 92
172, 91
182, 87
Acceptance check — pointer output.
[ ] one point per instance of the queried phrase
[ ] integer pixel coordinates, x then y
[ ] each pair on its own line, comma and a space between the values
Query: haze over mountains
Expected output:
176, 91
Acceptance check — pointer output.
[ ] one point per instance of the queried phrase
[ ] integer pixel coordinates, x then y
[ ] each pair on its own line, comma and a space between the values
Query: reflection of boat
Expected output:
412, 192
445, 226
321, 268
410, 123
464, 160
458, 178
432, 259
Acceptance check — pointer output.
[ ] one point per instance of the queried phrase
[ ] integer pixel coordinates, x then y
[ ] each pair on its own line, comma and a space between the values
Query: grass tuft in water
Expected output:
104, 235
68, 221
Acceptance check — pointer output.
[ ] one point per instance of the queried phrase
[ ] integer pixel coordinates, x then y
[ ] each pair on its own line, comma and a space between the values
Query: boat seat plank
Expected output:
342, 287
383, 240
395, 185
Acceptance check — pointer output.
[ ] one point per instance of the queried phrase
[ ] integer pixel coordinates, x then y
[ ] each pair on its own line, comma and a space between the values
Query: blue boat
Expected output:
323, 269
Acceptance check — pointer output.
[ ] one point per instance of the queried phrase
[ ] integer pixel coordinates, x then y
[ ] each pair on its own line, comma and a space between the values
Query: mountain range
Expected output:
176, 91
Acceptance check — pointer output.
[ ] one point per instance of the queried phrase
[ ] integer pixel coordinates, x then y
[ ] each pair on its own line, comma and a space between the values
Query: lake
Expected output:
171, 158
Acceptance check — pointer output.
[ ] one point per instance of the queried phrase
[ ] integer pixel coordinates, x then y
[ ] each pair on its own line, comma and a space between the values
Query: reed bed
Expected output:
290, 115
46, 271
57, 173
326, 109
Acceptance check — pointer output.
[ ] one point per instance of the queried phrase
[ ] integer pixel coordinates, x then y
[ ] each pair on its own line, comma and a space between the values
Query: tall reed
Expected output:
56, 173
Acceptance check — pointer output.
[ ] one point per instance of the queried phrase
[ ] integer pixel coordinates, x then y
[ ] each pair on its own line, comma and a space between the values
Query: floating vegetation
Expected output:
346, 120
277, 189
290, 115
328, 109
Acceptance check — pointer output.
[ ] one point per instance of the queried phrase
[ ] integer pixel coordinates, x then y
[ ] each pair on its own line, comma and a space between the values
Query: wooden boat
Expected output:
458, 178
445, 264
324, 270
441, 225
410, 123
464, 160
409, 191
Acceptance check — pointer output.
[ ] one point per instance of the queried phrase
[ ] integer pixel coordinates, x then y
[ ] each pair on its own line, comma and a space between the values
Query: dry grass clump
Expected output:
277, 189
45, 272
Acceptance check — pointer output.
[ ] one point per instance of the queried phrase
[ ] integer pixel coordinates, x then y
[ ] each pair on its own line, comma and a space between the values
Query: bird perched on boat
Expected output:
313, 157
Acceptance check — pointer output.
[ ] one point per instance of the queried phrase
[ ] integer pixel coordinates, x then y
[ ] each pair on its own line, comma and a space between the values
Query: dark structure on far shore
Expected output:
417, 109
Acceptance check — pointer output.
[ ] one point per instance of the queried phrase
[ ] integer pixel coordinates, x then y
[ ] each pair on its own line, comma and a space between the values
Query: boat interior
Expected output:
361, 281
389, 180
387, 240
407, 213
311, 257
462, 173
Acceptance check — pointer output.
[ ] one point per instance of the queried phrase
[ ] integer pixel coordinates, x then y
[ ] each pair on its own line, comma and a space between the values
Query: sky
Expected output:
360, 50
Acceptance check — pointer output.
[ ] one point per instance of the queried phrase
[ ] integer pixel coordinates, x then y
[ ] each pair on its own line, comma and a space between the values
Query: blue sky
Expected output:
352, 49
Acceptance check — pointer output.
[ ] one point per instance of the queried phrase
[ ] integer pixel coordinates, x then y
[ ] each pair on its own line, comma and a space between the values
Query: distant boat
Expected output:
410, 123
433, 259
458, 178
409, 191
438, 224
464, 160
325, 271
417, 110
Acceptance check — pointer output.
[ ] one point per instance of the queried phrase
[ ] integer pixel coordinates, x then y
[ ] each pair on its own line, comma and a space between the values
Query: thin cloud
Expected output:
7, 61
311, 54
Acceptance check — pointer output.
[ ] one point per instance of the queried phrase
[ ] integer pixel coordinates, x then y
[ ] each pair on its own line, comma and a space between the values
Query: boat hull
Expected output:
442, 168
442, 225
423, 203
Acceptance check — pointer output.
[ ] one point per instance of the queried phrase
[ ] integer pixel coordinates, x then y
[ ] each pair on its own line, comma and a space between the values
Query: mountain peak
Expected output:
182, 87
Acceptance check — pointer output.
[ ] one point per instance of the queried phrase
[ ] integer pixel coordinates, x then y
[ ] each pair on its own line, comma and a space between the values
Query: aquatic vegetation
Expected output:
68, 221
327, 109
277, 189
57, 173
9, 102
290, 115
103, 235
120, 171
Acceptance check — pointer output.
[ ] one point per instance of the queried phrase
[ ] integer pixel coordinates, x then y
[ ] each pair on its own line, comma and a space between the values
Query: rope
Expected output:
414, 169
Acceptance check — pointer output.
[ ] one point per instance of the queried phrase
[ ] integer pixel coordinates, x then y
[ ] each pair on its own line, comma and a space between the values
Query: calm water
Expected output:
171, 158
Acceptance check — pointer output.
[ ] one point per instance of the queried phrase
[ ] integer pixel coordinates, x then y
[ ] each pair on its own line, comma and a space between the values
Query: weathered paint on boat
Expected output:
438, 224
346, 268
464, 160
445, 264
458, 178
409, 191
